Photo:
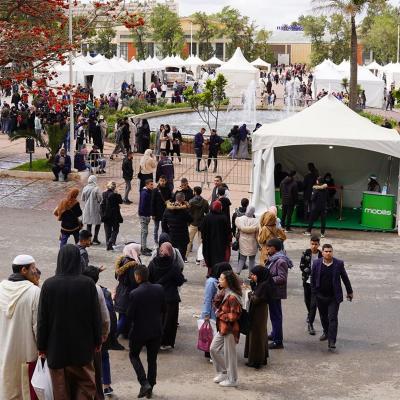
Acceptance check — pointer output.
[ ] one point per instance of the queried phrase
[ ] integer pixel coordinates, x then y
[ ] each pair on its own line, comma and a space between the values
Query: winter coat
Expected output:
308, 183
198, 208
159, 198
124, 274
289, 191
127, 169
305, 263
113, 212
238, 213
319, 197
187, 192
165, 167
216, 236
278, 266
210, 291
229, 308
70, 219
145, 203
248, 232
169, 276
92, 197
175, 222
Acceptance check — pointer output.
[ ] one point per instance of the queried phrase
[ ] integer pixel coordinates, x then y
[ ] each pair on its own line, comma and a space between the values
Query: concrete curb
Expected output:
76, 176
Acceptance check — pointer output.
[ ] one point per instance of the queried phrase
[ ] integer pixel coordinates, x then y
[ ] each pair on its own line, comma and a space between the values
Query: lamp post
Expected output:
71, 100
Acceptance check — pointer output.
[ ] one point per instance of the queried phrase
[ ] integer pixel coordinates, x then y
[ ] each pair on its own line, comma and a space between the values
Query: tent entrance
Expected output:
350, 169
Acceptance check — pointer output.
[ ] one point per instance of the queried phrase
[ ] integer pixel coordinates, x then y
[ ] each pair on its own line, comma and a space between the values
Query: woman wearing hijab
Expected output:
143, 136
91, 195
111, 214
176, 257
163, 272
69, 327
147, 167
124, 273
268, 230
247, 229
243, 148
256, 348
68, 212
216, 237
228, 303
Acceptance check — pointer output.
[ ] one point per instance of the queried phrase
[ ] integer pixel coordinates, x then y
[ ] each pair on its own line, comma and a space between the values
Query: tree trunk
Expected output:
353, 66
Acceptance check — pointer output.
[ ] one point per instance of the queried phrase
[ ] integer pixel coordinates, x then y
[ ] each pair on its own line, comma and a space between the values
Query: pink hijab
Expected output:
132, 251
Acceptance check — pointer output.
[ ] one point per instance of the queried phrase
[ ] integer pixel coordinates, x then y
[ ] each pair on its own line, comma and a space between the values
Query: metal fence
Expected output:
233, 172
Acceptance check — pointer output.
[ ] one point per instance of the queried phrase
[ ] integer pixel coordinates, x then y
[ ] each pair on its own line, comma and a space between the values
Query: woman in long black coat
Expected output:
163, 271
111, 214
216, 237
256, 347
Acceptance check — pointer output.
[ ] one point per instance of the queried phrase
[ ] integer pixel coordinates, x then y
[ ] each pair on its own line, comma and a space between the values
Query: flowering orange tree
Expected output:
34, 34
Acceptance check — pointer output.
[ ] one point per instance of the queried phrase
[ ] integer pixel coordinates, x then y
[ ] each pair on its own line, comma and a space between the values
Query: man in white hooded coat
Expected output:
19, 299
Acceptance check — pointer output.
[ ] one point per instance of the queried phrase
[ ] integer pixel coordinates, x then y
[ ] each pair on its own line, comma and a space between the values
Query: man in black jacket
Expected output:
308, 257
319, 201
308, 183
159, 197
289, 196
146, 306
326, 275
127, 175
69, 326
185, 189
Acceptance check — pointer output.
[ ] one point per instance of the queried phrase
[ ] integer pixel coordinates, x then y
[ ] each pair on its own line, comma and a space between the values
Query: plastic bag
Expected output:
200, 256
205, 336
41, 381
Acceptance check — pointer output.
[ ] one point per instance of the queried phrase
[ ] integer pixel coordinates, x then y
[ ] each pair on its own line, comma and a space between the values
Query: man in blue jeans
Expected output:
278, 264
198, 146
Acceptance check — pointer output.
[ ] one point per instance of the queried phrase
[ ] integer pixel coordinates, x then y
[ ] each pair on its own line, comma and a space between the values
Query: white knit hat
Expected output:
23, 259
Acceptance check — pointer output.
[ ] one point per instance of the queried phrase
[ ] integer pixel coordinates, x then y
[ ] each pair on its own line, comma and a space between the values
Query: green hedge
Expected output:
377, 119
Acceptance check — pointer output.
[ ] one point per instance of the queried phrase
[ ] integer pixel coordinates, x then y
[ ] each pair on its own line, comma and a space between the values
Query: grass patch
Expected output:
41, 165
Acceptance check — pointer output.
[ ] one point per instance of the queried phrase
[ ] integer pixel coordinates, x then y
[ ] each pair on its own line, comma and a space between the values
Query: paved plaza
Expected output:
365, 365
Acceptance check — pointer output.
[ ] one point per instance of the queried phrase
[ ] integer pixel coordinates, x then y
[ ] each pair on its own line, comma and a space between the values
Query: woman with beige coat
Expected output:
148, 165
247, 229
268, 230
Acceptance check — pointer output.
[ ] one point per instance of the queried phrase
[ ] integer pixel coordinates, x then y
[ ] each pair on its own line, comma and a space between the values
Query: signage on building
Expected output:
295, 28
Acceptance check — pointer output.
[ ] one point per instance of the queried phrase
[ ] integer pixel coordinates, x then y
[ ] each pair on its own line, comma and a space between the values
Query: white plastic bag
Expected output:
200, 256
41, 381
200, 322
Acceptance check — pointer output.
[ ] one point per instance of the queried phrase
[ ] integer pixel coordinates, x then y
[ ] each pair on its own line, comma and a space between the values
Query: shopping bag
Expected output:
41, 381
200, 256
205, 336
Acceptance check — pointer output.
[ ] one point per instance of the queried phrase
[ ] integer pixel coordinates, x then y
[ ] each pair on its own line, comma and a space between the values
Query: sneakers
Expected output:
117, 346
331, 345
228, 383
96, 241
307, 233
322, 235
220, 378
164, 348
197, 262
108, 391
127, 202
311, 329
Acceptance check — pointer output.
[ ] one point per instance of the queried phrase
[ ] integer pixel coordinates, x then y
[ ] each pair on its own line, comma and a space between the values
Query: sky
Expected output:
266, 13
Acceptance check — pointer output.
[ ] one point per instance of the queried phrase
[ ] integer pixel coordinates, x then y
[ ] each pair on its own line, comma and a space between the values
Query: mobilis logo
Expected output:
375, 211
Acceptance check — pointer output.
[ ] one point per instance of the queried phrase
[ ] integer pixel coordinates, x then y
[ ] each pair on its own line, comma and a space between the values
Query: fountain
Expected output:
250, 104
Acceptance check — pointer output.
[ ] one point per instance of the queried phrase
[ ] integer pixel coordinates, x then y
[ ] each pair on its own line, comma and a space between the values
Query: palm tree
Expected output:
350, 8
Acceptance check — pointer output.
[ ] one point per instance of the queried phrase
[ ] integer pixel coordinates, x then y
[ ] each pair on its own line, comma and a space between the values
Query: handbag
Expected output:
41, 381
235, 244
205, 337
244, 322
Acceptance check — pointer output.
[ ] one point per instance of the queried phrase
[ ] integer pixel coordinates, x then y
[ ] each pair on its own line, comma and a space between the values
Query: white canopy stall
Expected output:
239, 74
375, 68
213, 62
194, 63
261, 64
392, 72
336, 140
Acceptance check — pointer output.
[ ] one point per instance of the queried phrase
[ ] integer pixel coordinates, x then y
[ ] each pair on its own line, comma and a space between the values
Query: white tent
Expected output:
194, 64
392, 72
239, 74
213, 61
80, 66
329, 76
261, 64
336, 140
374, 66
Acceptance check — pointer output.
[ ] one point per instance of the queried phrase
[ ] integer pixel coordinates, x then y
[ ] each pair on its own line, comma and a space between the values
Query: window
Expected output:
123, 50
219, 50
194, 48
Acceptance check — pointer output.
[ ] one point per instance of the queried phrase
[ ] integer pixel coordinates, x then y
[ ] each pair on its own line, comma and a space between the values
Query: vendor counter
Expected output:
378, 210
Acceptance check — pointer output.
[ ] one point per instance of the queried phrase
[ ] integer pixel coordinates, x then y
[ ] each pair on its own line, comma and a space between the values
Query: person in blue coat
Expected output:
326, 275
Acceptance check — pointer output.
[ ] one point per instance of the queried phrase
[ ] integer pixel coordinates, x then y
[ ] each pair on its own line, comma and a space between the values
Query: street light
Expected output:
71, 100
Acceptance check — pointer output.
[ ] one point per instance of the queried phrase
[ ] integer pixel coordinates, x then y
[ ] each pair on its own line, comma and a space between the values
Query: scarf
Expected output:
16, 277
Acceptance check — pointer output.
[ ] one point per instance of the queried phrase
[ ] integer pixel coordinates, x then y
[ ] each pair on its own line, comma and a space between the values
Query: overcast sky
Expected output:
266, 13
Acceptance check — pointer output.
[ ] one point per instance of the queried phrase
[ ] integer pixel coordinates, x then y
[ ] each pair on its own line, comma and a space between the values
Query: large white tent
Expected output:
80, 66
194, 64
336, 140
239, 74
392, 72
329, 76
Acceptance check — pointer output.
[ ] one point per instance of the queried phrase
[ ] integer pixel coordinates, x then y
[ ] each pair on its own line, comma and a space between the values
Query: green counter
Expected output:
378, 210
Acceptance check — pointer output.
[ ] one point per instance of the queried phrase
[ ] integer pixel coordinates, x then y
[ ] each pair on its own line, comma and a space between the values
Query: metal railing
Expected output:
233, 172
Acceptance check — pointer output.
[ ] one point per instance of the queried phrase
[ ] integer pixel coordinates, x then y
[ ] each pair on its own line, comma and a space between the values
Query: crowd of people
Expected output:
144, 307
